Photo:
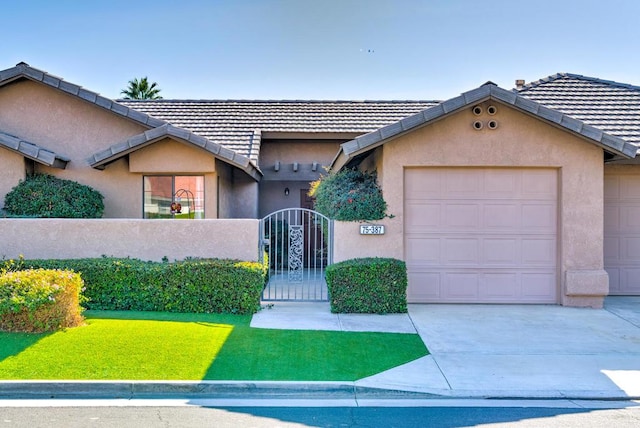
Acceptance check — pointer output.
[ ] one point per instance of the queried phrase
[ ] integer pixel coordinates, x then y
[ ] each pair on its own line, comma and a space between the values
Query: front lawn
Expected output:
163, 346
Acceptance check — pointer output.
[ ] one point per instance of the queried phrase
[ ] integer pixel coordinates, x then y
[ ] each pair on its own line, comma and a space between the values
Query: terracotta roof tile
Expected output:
238, 124
610, 106
361, 144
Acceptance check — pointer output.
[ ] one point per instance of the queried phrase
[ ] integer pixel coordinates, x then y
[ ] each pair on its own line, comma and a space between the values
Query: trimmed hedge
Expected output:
43, 195
369, 285
35, 301
192, 285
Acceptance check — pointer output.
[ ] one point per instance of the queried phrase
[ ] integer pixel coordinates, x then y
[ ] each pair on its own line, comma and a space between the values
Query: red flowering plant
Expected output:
349, 195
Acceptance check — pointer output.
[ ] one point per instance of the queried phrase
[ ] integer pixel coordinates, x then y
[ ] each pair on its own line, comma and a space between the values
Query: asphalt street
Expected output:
53, 414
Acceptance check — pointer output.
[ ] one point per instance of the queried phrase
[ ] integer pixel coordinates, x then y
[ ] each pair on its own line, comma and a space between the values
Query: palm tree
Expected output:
141, 90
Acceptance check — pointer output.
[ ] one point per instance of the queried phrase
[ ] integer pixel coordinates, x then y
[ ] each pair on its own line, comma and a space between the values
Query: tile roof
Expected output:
610, 106
239, 124
367, 142
23, 70
33, 151
101, 159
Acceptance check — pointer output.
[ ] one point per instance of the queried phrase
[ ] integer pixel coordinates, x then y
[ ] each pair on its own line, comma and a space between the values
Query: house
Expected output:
498, 196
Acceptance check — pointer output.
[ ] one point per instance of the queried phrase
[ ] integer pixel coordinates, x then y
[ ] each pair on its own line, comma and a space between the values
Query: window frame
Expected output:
199, 210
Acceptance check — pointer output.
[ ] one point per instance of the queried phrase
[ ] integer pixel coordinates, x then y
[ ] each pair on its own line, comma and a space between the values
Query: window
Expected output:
174, 196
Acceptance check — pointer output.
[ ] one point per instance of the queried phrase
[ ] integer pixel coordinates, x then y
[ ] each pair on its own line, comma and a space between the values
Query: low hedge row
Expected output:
40, 300
193, 285
369, 285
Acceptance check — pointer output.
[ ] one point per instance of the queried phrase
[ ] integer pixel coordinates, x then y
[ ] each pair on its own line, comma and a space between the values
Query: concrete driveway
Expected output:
529, 351
510, 351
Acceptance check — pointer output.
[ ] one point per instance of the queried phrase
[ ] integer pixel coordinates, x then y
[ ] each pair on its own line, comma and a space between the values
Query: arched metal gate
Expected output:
297, 242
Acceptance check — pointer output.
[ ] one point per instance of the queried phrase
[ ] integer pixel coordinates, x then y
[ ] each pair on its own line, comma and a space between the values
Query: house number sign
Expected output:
370, 229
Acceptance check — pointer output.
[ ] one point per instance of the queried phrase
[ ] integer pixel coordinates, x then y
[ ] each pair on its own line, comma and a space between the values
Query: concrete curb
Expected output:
265, 390
195, 389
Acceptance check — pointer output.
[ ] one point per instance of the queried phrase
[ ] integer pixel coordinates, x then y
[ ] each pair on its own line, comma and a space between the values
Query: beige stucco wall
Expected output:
237, 193
519, 141
77, 129
12, 170
171, 156
349, 244
224, 187
273, 198
137, 238
303, 151
245, 196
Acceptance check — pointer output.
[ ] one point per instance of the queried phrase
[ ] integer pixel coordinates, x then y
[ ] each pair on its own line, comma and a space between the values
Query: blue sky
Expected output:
321, 49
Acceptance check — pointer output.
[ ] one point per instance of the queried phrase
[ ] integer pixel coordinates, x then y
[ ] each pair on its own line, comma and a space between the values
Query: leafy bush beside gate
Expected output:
369, 285
349, 195
192, 285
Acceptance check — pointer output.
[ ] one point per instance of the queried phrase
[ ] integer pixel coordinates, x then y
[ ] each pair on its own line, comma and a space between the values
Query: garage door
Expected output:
481, 235
622, 233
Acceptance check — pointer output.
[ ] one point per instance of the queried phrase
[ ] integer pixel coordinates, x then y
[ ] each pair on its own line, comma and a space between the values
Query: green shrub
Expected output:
370, 285
349, 195
11, 265
40, 300
42, 195
192, 285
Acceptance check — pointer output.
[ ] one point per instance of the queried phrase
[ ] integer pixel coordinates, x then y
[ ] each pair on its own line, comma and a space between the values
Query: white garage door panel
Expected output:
501, 286
538, 252
622, 233
539, 217
481, 235
501, 252
503, 216
461, 251
428, 289
611, 249
460, 286
424, 217
482, 287
539, 285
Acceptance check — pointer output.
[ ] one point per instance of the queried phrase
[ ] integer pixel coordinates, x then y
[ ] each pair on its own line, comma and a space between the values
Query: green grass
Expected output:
163, 346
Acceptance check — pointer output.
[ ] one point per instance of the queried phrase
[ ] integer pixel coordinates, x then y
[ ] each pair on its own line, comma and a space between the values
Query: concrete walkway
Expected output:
506, 351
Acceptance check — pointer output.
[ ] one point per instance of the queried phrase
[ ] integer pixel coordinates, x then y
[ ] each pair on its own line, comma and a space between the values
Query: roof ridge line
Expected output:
274, 101
24, 70
561, 75
367, 142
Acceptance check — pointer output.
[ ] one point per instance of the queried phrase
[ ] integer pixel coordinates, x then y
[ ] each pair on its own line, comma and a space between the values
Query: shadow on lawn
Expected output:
14, 343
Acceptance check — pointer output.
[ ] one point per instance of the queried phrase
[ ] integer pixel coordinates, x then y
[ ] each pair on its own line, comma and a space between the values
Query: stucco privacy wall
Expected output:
349, 244
137, 238
75, 129
519, 141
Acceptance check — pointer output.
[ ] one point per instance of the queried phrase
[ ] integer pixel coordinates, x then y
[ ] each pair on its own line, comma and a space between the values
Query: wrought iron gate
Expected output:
298, 245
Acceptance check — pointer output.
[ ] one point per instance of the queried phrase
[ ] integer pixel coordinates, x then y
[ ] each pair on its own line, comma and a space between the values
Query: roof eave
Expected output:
372, 140
32, 151
117, 151
339, 161
25, 71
